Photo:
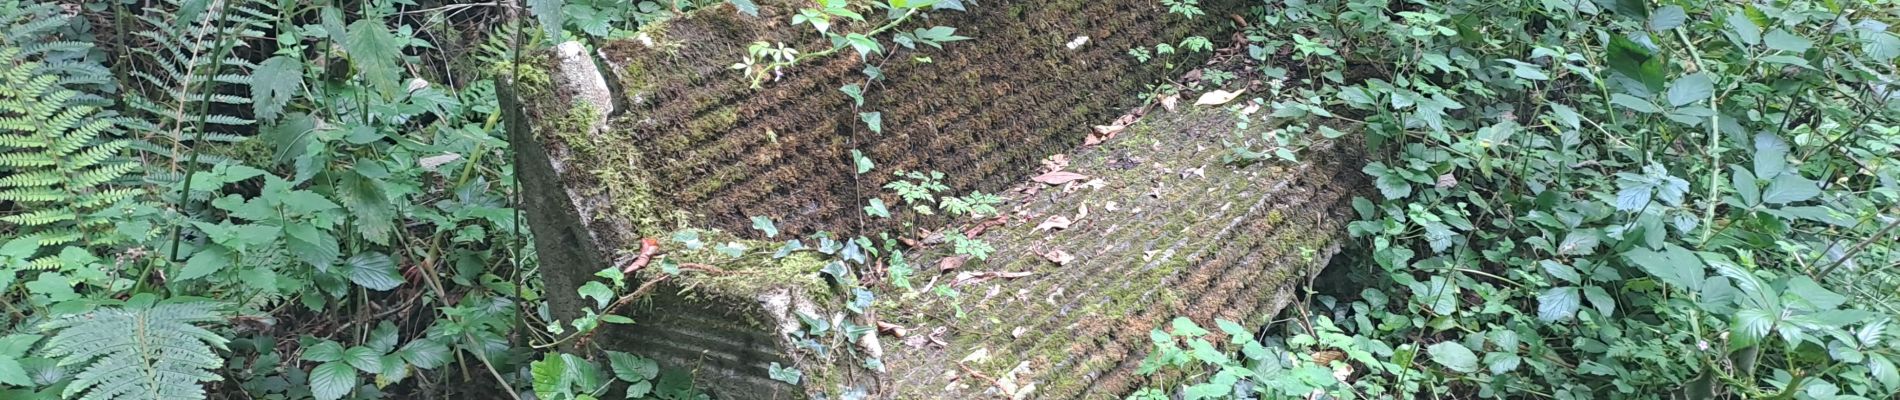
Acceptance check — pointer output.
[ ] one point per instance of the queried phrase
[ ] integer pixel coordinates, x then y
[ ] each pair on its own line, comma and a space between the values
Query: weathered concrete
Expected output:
683, 143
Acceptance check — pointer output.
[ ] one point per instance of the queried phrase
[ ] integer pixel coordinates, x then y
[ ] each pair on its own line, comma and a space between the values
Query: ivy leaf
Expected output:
784, 374
332, 380
373, 270
273, 84
1789, 188
598, 291
856, 92
1453, 355
764, 224
864, 164
746, 7
877, 208
874, 120
1559, 303
1690, 88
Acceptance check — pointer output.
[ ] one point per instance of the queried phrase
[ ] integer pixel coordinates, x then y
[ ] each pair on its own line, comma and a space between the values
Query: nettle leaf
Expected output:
374, 52
1579, 242
1558, 303
274, 83
1453, 355
369, 203
1561, 271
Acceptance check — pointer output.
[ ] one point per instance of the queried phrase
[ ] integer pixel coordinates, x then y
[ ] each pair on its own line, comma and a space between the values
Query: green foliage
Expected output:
56, 155
139, 351
1583, 201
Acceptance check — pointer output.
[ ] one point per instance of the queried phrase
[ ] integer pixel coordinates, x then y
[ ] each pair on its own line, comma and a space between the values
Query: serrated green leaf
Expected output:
1557, 304
1674, 265
274, 83
373, 270
205, 262
332, 380
363, 358
632, 368
1454, 356
1790, 187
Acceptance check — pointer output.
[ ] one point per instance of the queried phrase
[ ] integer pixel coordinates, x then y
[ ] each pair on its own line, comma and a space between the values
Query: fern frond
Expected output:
139, 353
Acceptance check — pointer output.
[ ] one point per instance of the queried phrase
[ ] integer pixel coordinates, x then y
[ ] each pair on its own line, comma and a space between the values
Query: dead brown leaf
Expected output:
950, 263
1054, 223
1169, 102
1059, 257
1055, 162
892, 329
1059, 177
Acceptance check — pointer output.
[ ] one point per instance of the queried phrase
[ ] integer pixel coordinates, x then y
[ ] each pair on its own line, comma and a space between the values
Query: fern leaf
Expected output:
138, 352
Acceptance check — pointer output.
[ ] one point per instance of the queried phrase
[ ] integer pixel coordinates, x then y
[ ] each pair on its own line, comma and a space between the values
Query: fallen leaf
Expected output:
1112, 206
1059, 257
892, 329
431, 162
1054, 223
1251, 108
1200, 171
976, 356
1095, 184
970, 278
1055, 163
1083, 213
1169, 102
1059, 177
1018, 332
1446, 181
936, 336
950, 263
1218, 97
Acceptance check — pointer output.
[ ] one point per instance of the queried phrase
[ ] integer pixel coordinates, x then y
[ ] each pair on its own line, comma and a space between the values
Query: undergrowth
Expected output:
1597, 199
